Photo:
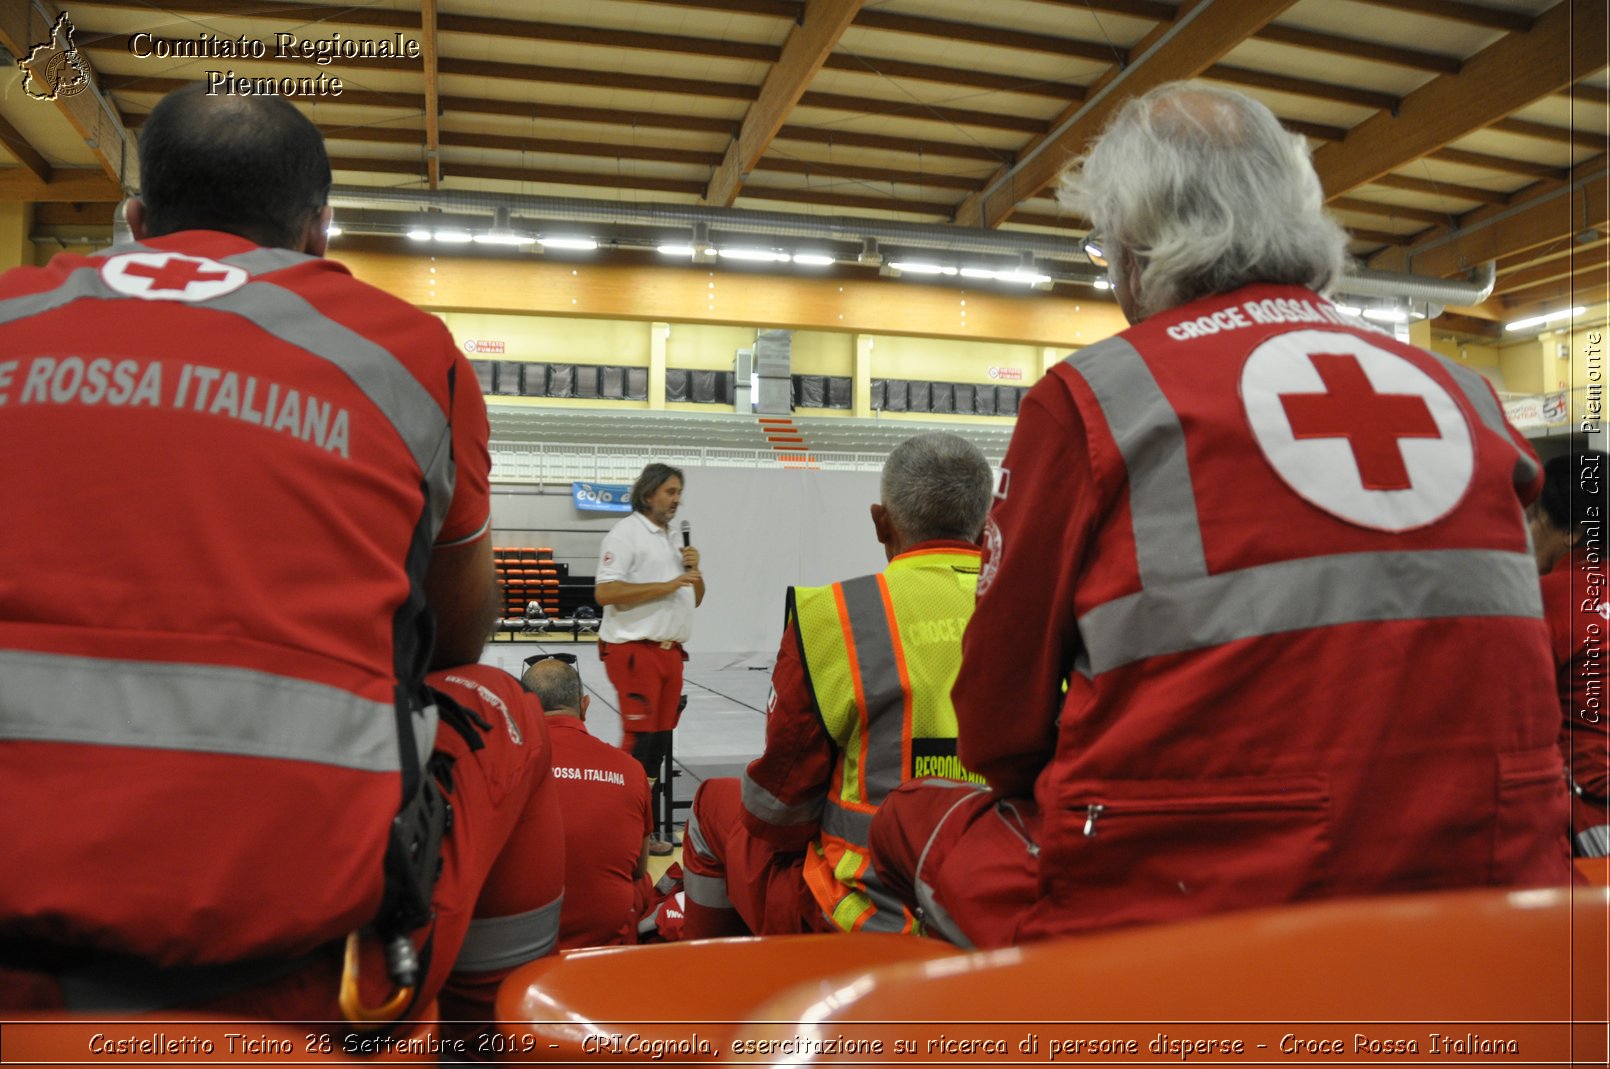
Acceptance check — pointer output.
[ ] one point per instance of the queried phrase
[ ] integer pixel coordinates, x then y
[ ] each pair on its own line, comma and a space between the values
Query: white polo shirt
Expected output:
637, 551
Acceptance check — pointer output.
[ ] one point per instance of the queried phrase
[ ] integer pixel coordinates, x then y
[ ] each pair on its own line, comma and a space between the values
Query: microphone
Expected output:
687, 540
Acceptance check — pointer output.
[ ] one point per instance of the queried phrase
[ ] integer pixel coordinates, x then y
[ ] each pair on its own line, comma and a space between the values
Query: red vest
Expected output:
1312, 656
224, 472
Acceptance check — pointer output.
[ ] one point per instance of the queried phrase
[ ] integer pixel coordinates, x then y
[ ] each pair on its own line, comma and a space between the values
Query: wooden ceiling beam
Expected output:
920, 147
1588, 139
1280, 83
1456, 11
66, 184
807, 47
433, 105
1552, 270
863, 202
1594, 94
973, 35
987, 120
1474, 194
1140, 9
1493, 233
1470, 326
877, 66
1589, 295
1389, 211
366, 165
1486, 162
26, 154
1356, 49
1190, 45
1521, 67
879, 176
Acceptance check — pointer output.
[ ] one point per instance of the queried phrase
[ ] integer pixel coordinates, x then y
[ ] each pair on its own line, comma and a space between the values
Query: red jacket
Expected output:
1279, 565
603, 793
1574, 601
225, 466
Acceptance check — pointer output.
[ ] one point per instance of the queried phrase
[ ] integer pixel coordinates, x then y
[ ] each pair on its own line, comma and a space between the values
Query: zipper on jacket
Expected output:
1092, 811
1015, 825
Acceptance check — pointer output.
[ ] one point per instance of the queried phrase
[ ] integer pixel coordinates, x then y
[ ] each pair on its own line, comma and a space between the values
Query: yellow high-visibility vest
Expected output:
881, 653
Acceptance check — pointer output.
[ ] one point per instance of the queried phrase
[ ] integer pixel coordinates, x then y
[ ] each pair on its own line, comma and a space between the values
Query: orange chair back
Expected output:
1434, 963
564, 1007
1596, 870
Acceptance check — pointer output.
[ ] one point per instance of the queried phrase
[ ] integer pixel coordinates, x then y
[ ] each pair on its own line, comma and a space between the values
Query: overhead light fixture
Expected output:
1537, 321
977, 272
1102, 284
502, 233
917, 267
452, 237
813, 259
558, 241
770, 256
333, 230
1349, 309
1023, 278
870, 255
418, 233
685, 251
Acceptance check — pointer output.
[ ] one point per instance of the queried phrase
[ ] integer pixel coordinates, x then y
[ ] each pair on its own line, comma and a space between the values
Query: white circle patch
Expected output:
1356, 430
992, 555
168, 276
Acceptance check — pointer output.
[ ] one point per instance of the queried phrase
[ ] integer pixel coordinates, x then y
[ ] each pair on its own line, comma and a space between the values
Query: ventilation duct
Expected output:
1363, 282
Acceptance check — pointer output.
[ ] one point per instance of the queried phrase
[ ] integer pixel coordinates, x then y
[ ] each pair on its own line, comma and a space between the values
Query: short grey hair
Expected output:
937, 485
556, 684
1210, 192
649, 482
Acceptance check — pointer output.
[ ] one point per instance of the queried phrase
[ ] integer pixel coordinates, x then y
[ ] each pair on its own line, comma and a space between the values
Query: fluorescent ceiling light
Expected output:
419, 233
912, 267
332, 231
504, 237
1025, 278
977, 272
1349, 309
1385, 315
813, 259
578, 244
1537, 321
755, 255
676, 250
1102, 284
452, 237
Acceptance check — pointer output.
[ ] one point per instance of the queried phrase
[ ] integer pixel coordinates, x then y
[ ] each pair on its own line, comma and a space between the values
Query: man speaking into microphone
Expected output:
648, 584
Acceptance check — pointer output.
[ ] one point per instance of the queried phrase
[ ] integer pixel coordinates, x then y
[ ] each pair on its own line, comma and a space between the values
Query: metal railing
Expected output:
543, 462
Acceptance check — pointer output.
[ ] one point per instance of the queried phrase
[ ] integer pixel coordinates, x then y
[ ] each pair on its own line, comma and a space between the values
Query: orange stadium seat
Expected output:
1596, 870
1344, 981
564, 1007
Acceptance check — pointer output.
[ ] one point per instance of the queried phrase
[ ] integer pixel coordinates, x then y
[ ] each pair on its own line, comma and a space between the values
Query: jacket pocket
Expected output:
1130, 851
1531, 836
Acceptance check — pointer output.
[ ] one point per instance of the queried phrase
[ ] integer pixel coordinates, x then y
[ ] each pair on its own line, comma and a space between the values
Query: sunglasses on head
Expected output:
563, 658
1095, 246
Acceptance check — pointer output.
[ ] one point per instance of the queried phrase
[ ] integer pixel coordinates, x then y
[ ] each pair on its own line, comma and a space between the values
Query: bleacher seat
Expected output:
1298, 979
663, 992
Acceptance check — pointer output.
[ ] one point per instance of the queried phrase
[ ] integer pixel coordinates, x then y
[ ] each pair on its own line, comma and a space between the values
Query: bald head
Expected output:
247, 165
557, 686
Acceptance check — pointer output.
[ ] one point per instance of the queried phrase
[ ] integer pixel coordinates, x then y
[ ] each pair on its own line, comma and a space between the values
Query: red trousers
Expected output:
962, 855
647, 678
736, 884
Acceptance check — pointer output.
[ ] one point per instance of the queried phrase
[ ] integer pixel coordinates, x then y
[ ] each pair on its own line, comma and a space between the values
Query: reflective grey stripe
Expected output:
765, 805
1315, 592
707, 891
1594, 841
1480, 396
882, 769
694, 837
389, 385
934, 915
851, 825
1162, 503
195, 707
261, 261
504, 942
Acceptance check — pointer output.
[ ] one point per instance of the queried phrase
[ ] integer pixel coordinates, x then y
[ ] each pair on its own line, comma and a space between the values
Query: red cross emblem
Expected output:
1358, 430
177, 274
1371, 422
168, 276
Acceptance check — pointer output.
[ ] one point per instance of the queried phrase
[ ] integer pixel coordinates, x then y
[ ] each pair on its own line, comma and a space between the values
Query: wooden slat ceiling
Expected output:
1446, 132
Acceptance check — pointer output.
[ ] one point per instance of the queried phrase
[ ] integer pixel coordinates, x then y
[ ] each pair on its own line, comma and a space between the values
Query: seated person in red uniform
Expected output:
1568, 524
860, 703
1258, 622
217, 674
603, 794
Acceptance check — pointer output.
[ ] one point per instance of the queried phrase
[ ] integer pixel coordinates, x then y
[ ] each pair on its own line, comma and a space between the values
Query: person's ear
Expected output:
880, 523
134, 215
586, 700
317, 238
